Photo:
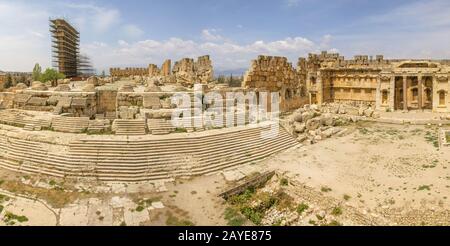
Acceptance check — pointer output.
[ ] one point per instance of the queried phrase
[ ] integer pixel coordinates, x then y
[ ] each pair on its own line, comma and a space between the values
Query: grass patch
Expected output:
57, 198
325, 189
175, 221
11, 219
424, 187
336, 211
254, 205
233, 217
144, 203
334, 223
302, 207
432, 138
347, 197
3, 198
284, 182
364, 131
180, 130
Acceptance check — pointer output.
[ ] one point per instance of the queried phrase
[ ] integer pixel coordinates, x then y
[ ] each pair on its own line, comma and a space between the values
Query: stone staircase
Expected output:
70, 124
110, 116
98, 126
19, 120
159, 126
129, 127
32, 127
143, 160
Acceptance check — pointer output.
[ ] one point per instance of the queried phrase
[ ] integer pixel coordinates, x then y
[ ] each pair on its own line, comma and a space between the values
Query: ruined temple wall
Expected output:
106, 101
6, 100
127, 72
441, 93
140, 105
188, 72
79, 104
351, 86
276, 74
153, 70
166, 68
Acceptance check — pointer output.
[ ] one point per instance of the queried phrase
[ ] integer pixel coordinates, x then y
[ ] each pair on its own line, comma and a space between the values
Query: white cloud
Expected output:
211, 35
22, 40
25, 37
101, 19
132, 31
226, 55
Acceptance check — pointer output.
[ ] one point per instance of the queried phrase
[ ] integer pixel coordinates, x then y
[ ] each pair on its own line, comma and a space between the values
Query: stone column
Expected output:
319, 86
378, 97
392, 93
405, 104
434, 95
420, 91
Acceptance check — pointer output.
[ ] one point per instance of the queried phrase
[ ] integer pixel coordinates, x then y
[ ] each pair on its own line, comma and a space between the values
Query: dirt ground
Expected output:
378, 174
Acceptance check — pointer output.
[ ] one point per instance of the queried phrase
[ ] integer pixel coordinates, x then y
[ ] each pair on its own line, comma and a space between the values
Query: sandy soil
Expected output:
384, 168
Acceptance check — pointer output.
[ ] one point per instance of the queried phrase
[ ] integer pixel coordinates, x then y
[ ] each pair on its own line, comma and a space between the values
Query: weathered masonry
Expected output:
376, 82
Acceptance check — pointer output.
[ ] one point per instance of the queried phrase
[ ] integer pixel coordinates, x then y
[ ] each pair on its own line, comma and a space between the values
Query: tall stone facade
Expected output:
373, 81
188, 72
276, 74
166, 68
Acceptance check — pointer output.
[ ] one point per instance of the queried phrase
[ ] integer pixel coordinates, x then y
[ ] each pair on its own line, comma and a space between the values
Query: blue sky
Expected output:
135, 33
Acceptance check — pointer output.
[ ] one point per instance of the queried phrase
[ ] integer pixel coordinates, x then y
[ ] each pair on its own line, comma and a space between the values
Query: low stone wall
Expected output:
78, 104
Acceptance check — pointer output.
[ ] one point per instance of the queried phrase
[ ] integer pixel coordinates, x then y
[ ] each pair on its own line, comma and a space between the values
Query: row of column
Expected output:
405, 91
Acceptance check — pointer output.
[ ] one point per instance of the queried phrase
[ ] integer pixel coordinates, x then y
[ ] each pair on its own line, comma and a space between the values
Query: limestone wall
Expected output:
127, 72
188, 72
6, 100
106, 101
78, 104
276, 74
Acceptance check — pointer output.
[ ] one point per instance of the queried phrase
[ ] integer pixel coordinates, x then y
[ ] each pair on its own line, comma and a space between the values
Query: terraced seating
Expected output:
32, 127
14, 118
159, 126
164, 159
98, 126
129, 127
143, 160
110, 116
70, 124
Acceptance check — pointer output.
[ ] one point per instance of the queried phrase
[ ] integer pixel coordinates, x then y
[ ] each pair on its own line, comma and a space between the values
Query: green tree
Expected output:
52, 75
22, 79
103, 74
37, 72
8, 81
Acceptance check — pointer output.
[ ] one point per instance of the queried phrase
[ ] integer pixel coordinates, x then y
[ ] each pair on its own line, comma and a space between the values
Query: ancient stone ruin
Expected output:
185, 72
317, 97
